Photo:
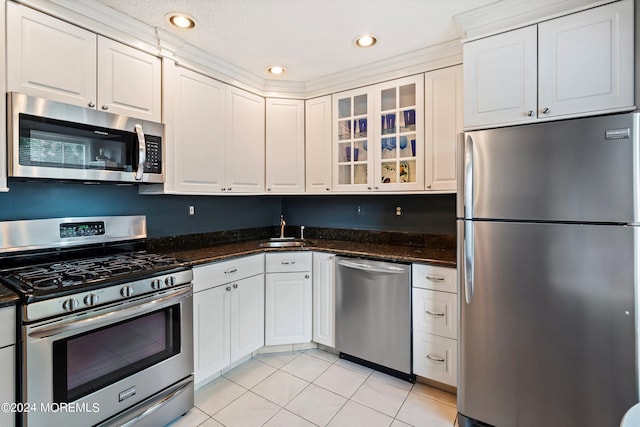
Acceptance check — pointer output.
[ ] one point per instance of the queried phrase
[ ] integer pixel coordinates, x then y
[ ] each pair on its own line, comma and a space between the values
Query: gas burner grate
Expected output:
78, 272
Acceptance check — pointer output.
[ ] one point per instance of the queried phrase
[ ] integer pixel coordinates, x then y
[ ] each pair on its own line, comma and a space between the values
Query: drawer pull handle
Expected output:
288, 262
436, 358
233, 270
435, 278
431, 313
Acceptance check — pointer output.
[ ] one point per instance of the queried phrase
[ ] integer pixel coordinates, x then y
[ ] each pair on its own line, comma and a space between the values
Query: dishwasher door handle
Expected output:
372, 268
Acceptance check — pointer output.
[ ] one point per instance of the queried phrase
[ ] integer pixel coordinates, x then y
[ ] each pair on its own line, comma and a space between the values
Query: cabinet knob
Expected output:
235, 286
105, 107
306, 276
546, 111
377, 188
368, 188
269, 189
228, 188
223, 189
428, 185
530, 113
328, 189
228, 288
92, 104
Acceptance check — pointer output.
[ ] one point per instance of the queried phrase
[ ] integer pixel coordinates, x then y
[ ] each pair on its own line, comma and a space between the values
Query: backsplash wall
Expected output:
167, 215
424, 213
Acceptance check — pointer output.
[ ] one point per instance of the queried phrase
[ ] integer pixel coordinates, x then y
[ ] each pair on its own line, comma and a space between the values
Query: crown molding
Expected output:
510, 14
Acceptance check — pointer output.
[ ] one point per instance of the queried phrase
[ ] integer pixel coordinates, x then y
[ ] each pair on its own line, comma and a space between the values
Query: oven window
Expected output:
89, 362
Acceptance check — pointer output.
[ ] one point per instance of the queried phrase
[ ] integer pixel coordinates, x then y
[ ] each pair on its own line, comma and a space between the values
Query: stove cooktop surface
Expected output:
49, 278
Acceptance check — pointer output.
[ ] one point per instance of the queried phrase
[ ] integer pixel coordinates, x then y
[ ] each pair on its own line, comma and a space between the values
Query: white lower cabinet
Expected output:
324, 295
7, 361
228, 315
288, 298
435, 320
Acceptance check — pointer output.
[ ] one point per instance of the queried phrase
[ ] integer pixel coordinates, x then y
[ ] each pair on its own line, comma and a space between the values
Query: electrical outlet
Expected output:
359, 210
192, 210
398, 211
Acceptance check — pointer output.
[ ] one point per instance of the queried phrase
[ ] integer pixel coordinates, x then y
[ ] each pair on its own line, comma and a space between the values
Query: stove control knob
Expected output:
70, 304
91, 300
126, 291
170, 281
156, 284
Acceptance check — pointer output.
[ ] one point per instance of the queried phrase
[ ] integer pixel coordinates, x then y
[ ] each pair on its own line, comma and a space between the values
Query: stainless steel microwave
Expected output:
60, 141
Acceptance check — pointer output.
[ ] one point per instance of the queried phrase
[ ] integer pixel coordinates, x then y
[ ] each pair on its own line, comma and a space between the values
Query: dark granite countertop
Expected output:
7, 297
399, 247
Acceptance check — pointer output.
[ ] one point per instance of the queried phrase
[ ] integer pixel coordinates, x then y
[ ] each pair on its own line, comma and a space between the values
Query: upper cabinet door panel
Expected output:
50, 58
128, 81
500, 78
318, 144
586, 61
245, 141
198, 133
285, 146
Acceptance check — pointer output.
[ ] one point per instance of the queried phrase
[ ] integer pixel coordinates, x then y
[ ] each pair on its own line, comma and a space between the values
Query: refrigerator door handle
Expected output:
467, 177
468, 261
460, 176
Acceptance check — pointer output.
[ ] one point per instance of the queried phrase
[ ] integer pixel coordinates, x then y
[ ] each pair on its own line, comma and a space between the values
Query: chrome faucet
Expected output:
282, 224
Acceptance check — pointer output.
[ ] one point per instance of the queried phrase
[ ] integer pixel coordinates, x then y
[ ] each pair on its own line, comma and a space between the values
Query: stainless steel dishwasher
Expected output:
373, 314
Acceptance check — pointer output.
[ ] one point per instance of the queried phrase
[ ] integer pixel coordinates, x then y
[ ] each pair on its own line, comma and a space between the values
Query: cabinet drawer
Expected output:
7, 326
433, 277
285, 262
218, 273
435, 313
435, 358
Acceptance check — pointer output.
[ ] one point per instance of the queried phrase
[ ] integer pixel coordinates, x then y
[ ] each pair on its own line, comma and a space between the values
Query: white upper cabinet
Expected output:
586, 61
443, 125
61, 62
575, 65
50, 58
318, 144
196, 163
128, 81
378, 137
285, 159
245, 154
214, 136
500, 78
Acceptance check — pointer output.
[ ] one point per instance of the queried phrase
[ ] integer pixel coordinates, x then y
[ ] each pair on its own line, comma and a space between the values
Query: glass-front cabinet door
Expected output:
399, 135
378, 135
352, 144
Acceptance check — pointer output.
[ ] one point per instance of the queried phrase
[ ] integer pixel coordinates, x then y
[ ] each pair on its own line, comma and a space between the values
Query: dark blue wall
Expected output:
432, 213
168, 215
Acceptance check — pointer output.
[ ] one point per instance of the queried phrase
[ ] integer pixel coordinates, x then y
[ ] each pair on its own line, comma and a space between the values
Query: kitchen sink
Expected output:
285, 242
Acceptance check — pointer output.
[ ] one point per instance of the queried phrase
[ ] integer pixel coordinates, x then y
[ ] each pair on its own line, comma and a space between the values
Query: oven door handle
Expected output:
127, 311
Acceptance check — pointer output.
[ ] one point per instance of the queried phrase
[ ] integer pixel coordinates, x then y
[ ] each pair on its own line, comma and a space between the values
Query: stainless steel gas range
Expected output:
105, 328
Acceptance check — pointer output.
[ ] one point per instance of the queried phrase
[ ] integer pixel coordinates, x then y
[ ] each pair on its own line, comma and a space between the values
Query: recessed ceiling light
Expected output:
365, 40
276, 70
180, 20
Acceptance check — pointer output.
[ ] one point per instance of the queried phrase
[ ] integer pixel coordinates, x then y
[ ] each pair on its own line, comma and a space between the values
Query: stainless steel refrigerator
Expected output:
549, 261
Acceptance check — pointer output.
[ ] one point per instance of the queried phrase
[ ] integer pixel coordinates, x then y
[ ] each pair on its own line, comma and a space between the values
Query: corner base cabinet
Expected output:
288, 298
435, 345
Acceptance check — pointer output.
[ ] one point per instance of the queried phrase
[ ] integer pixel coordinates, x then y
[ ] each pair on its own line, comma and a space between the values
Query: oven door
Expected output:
87, 368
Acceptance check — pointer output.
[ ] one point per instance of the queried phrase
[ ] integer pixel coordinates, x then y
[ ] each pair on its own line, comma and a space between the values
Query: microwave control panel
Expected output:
154, 155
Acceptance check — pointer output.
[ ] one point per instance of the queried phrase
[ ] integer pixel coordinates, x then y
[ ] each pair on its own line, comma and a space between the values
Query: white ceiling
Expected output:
311, 38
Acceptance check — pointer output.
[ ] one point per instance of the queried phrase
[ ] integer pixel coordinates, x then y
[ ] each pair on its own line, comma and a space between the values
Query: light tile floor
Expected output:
315, 388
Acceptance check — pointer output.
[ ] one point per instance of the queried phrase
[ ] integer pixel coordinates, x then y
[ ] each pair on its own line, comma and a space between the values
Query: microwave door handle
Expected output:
142, 152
